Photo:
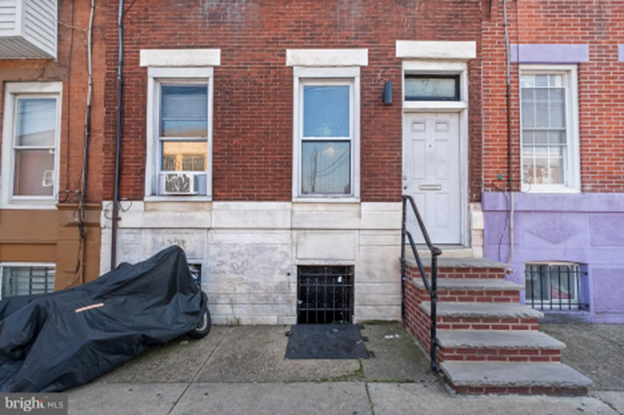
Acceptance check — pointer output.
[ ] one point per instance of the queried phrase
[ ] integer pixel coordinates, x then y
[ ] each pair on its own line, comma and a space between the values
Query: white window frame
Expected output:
572, 175
181, 76
326, 76
4, 265
13, 91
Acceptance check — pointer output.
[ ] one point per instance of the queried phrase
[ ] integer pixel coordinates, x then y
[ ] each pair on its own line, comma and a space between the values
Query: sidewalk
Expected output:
241, 370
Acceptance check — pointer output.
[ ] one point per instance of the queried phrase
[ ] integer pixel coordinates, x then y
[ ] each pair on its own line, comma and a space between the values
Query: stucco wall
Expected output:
582, 228
250, 251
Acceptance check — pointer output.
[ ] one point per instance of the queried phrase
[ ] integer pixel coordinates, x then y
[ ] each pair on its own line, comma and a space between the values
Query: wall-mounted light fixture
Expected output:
387, 93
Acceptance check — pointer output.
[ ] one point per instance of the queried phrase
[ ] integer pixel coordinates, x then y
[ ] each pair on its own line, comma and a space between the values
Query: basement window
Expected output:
26, 279
554, 287
196, 272
325, 294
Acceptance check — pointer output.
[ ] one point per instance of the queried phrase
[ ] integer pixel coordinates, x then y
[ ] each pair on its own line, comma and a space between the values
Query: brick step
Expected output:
473, 290
458, 268
514, 378
498, 346
483, 316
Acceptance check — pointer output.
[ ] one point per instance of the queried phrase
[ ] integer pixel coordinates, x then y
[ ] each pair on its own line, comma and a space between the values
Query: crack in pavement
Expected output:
199, 371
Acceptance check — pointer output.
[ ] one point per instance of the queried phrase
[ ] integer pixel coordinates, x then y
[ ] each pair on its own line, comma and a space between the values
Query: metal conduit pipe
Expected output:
115, 218
509, 139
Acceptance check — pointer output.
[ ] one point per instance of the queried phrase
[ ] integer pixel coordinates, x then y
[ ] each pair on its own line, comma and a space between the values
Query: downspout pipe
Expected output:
509, 139
115, 218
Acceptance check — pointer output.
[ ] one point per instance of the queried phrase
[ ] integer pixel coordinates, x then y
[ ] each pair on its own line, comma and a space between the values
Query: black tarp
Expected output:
46, 345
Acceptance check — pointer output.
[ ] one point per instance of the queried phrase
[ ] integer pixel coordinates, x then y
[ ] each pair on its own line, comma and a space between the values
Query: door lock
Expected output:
404, 187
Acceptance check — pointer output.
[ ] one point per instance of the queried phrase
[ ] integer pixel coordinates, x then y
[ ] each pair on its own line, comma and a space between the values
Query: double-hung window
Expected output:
179, 126
326, 136
30, 144
549, 129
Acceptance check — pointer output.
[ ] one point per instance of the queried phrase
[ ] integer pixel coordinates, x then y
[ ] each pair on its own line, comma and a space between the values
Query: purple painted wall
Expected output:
549, 53
585, 228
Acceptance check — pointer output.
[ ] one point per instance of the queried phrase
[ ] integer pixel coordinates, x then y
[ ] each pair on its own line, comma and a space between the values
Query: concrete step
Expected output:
514, 378
476, 339
483, 316
475, 290
498, 346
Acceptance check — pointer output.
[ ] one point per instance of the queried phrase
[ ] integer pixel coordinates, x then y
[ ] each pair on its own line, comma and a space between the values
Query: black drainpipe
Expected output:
117, 140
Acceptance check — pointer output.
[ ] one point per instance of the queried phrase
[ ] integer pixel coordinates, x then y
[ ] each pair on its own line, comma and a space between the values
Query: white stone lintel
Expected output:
180, 57
327, 57
409, 49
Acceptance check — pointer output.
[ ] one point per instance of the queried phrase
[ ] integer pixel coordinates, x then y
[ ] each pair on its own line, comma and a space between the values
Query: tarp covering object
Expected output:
51, 342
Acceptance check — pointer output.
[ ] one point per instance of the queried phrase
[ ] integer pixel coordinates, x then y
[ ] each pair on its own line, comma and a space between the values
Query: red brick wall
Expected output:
253, 88
71, 69
601, 96
22, 236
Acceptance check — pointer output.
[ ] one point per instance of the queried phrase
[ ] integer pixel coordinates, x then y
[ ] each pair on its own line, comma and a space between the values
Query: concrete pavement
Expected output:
596, 350
242, 370
347, 398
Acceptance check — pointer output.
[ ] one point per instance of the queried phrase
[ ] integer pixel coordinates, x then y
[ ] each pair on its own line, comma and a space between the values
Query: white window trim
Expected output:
155, 76
573, 175
23, 264
349, 75
437, 68
12, 92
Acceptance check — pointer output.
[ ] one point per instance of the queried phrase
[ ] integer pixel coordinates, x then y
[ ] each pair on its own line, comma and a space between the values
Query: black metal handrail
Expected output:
432, 288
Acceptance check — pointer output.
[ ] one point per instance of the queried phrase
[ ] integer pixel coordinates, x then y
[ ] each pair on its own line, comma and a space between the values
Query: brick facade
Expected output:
253, 88
70, 67
601, 98
51, 235
560, 226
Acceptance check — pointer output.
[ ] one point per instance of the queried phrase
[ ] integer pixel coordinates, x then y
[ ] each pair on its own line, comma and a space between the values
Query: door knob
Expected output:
404, 187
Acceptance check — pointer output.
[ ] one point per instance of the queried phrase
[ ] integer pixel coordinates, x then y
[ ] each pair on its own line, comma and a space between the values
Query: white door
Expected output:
431, 174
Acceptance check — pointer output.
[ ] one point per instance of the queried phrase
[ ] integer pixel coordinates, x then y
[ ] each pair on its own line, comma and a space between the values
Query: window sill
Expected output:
437, 105
29, 204
549, 189
327, 199
185, 199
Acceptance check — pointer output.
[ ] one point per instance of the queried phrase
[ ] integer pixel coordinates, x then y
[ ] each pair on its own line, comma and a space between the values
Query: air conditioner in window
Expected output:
179, 184
48, 178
